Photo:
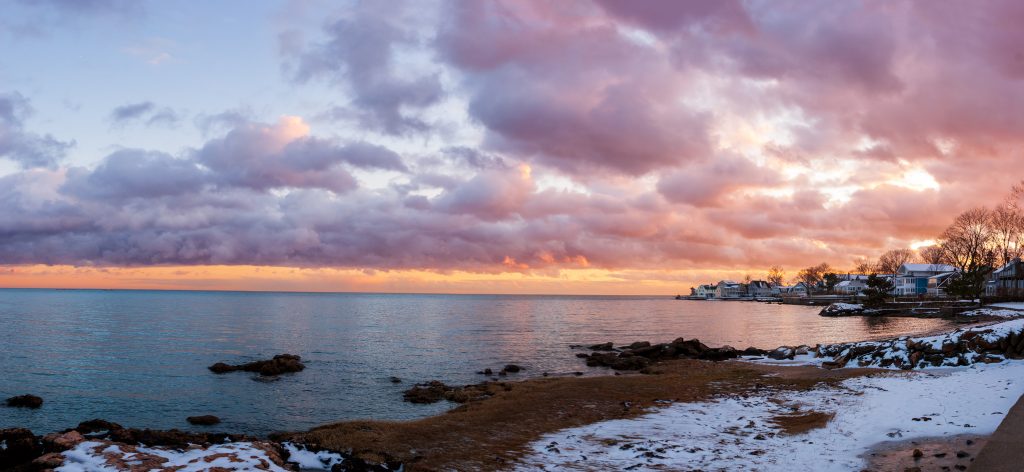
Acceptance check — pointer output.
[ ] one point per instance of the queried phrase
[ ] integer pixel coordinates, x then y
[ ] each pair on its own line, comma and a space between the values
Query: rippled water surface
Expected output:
139, 357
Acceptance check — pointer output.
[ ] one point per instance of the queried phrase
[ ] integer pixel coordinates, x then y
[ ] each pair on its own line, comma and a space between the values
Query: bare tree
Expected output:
775, 275
891, 260
967, 243
862, 265
811, 276
1007, 224
931, 255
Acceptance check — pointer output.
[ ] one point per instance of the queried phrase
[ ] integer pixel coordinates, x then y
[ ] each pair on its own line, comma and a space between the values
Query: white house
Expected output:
759, 288
851, 284
728, 289
796, 290
912, 279
705, 291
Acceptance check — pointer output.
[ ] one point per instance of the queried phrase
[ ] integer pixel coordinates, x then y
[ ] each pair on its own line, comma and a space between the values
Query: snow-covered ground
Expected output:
97, 456
1010, 305
737, 433
996, 310
103, 456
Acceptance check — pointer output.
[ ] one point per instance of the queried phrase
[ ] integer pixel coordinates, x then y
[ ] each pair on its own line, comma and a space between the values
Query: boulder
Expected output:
719, 353
512, 368
58, 442
25, 401
753, 351
608, 346
638, 345
21, 447
203, 420
691, 348
781, 353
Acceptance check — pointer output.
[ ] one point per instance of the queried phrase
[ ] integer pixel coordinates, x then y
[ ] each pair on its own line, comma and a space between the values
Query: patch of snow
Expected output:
306, 459
1010, 305
848, 306
738, 433
1001, 313
92, 456
802, 359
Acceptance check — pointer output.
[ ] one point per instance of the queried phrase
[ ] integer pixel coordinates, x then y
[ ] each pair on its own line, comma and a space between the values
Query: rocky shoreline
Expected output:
106, 444
142, 449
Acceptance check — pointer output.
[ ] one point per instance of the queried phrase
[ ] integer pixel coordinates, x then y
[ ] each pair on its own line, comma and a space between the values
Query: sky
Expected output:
586, 146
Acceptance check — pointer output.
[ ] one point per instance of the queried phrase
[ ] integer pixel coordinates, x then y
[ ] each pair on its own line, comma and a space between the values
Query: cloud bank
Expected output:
639, 135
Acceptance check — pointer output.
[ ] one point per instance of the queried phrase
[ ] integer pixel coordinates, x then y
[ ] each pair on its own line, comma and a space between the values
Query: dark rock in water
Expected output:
430, 392
20, 447
435, 391
582, 355
222, 368
608, 346
395, 380
203, 420
280, 364
25, 401
638, 345
511, 368
95, 426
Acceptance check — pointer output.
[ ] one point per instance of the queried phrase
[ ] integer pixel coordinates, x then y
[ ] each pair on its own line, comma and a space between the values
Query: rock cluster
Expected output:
435, 391
25, 401
956, 349
789, 352
280, 364
641, 354
203, 420
22, 450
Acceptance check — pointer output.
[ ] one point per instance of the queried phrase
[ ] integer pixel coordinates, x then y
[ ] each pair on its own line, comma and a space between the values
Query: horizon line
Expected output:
327, 292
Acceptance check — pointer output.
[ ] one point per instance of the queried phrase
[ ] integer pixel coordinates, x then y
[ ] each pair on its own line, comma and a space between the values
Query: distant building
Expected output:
759, 288
937, 283
706, 291
728, 289
912, 279
1007, 280
851, 286
798, 289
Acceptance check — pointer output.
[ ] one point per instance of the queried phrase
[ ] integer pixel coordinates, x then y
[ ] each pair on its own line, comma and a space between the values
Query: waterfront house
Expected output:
938, 282
759, 288
798, 289
728, 289
1007, 280
852, 286
705, 291
912, 279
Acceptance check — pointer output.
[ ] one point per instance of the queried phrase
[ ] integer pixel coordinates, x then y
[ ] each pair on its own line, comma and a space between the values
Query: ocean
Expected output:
140, 358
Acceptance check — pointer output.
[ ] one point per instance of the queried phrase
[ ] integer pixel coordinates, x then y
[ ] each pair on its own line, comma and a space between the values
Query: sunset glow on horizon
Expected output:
585, 147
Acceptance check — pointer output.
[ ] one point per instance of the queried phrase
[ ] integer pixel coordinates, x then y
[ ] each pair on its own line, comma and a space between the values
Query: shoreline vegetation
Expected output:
789, 395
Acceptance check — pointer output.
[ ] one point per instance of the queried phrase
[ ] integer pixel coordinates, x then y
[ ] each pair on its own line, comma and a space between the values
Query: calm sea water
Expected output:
139, 357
